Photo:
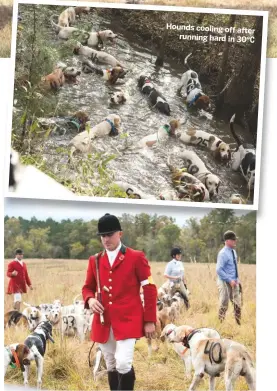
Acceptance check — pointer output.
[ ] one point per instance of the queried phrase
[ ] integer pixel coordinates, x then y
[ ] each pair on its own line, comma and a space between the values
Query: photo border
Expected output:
149, 7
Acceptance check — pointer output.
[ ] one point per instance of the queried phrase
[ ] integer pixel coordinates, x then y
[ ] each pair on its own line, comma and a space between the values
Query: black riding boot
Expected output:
127, 381
113, 378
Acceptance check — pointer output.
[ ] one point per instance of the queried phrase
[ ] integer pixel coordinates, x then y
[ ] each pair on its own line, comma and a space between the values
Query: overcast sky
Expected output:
59, 210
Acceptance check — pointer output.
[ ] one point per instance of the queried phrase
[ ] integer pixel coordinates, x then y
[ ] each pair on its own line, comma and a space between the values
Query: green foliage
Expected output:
155, 235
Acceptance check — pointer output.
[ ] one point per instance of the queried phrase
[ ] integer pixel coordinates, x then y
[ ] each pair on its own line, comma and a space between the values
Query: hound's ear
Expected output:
183, 331
21, 350
116, 122
211, 139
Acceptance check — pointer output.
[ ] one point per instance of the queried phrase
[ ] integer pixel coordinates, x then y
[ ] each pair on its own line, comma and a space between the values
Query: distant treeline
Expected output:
200, 240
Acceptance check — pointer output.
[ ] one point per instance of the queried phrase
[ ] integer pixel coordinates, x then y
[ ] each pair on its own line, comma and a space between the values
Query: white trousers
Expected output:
118, 355
17, 297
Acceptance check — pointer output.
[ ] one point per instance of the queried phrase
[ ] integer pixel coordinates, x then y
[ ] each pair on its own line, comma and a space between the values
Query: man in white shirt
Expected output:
175, 272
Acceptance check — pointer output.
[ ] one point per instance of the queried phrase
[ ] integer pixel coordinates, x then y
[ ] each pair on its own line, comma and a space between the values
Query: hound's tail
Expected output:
186, 61
57, 28
75, 298
27, 305
236, 137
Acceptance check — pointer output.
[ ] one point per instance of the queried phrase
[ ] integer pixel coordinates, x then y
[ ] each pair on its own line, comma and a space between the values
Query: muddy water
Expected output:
147, 171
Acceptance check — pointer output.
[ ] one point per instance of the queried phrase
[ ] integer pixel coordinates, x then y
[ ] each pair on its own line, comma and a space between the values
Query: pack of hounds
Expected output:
193, 181
202, 350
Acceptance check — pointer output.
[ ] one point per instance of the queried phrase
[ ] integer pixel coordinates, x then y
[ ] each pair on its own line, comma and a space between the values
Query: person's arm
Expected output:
89, 287
220, 265
10, 271
150, 293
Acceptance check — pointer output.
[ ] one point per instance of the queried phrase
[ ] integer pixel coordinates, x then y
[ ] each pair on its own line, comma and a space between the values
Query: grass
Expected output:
66, 365
5, 28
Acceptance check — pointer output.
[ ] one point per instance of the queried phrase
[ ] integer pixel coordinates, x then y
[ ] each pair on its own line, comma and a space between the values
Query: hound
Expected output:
184, 352
194, 94
117, 98
98, 39
187, 184
68, 16
197, 168
213, 356
36, 342
155, 98
161, 134
133, 192
16, 354
73, 323
110, 75
96, 56
62, 125
33, 315
243, 159
237, 199
82, 141
15, 318
220, 149
57, 78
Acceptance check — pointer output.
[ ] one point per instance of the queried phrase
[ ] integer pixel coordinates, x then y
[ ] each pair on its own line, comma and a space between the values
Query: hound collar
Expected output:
187, 338
13, 357
114, 131
194, 99
77, 122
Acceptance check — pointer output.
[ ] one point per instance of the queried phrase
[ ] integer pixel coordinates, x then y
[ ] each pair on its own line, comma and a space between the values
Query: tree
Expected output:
76, 250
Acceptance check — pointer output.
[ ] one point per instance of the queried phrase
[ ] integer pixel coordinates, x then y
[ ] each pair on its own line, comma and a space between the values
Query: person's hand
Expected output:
150, 330
233, 283
95, 306
14, 273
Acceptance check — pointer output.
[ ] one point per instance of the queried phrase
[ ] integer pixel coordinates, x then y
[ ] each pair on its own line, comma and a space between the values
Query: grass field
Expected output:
66, 365
5, 28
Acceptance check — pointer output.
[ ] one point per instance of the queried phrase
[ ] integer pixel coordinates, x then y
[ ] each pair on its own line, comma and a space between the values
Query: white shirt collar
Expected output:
20, 261
113, 254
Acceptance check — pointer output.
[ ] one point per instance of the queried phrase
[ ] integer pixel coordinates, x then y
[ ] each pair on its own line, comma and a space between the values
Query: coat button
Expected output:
110, 287
110, 272
110, 295
110, 279
110, 302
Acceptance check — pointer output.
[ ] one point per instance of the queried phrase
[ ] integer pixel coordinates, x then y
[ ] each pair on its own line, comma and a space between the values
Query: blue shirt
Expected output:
174, 268
226, 266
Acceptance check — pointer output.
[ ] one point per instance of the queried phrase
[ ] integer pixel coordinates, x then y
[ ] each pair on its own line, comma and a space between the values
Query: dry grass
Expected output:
66, 366
5, 28
5, 41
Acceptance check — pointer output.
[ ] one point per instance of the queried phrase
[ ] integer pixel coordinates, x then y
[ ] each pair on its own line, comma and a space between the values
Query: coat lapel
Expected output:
118, 260
104, 261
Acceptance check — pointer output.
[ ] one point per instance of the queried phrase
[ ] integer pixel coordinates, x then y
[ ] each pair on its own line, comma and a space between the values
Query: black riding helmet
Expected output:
175, 251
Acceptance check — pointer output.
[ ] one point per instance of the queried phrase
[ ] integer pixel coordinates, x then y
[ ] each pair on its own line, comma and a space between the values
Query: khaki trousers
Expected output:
227, 294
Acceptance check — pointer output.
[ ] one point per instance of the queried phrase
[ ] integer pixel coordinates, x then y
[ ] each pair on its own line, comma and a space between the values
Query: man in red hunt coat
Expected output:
19, 278
112, 292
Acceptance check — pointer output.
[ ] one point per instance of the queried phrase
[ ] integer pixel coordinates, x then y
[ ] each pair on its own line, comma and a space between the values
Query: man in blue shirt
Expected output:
228, 280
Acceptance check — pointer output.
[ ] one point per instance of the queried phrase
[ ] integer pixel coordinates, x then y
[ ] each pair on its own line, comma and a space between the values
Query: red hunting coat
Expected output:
124, 311
17, 284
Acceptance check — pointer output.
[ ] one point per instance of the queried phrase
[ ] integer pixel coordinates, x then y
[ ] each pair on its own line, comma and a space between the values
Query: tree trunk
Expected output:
224, 66
160, 58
